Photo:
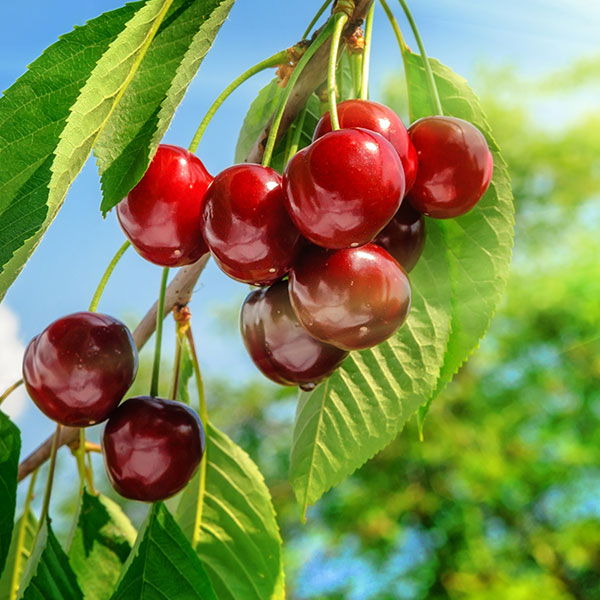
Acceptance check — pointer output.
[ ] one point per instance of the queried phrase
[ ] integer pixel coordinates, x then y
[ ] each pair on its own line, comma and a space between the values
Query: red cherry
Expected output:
80, 367
344, 188
246, 225
455, 166
404, 236
161, 216
382, 119
353, 298
279, 346
152, 447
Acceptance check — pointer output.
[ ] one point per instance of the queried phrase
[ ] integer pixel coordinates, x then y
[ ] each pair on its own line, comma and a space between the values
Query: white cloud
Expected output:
11, 356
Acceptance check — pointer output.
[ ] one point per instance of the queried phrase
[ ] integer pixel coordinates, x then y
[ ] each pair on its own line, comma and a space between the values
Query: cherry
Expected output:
353, 298
80, 367
404, 236
246, 225
455, 166
382, 119
152, 447
161, 214
279, 346
344, 188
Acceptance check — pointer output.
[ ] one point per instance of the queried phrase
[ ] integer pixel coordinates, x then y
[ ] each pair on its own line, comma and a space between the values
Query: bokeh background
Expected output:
502, 499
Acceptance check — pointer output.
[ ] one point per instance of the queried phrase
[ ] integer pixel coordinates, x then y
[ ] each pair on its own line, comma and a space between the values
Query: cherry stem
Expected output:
160, 312
15, 577
316, 18
366, 57
50, 480
433, 91
109, 270
340, 20
296, 134
177, 364
9, 390
308, 54
203, 411
273, 61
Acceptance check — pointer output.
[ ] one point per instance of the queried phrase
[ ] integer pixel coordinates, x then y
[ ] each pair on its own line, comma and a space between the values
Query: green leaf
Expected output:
49, 575
10, 446
239, 541
34, 113
20, 549
260, 112
135, 128
456, 288
479, 244
163, 565
363, 406
101, 544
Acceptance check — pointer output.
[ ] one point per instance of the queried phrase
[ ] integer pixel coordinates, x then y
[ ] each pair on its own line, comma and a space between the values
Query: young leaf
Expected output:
239, 541
49, 575
479, 244
10, 446
101, 544
363, 406
163, 565
260, 112
124, 147
20, 549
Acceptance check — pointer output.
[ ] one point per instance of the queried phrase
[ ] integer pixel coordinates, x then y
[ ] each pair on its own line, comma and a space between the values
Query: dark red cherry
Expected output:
353, 298
246, 225
80, 367
382, 119
279, 346
455, 166
152, 447
404, 236
161, 215
344, 188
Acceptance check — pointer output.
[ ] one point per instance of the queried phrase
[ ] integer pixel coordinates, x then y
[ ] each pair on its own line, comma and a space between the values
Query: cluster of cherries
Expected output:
329, 243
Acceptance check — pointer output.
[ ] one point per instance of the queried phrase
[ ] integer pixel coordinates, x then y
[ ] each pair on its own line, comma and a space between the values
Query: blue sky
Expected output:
539, 35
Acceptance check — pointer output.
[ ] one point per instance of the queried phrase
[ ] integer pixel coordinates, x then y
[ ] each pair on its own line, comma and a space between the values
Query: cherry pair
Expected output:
78, 370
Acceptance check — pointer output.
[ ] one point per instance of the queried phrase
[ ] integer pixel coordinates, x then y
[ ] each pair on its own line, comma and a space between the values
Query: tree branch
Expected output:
180, 290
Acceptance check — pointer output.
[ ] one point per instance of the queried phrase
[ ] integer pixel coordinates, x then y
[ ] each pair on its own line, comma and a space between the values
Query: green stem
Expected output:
366, 58
203, 411
22, 531
176, 364
273, 61
160, 312
340, 19
109, 270
297, 134
50, 480
9, 390
356, 66
316, 18
435, 97
308, 54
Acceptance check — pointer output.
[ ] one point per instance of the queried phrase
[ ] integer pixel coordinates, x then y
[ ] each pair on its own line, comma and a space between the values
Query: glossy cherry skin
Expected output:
404, 236
353, 298
161, 216
80, 367
455, 166
152, 447
279, 346
344, 188
382, 119
247, 227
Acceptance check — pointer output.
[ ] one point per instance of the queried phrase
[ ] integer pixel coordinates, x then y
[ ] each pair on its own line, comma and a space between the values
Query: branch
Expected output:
312, 76
180, 290
179, 293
